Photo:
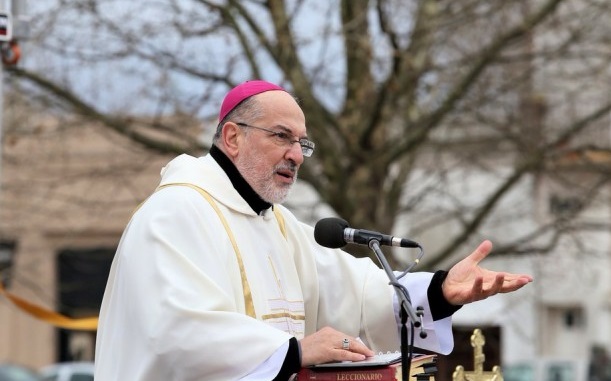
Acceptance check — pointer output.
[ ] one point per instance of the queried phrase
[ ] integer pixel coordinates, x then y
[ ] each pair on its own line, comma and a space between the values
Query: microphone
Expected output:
335, 233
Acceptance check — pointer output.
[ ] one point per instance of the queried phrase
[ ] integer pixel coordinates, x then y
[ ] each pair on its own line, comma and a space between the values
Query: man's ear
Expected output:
230, 134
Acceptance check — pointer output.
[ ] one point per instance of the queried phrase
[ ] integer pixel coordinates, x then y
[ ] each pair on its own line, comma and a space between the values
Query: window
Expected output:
519, 372
560, 371
7, 252
81, 275
573, 318
81, 377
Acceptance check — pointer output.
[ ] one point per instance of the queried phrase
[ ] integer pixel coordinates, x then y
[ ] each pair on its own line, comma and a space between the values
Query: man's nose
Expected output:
295, 153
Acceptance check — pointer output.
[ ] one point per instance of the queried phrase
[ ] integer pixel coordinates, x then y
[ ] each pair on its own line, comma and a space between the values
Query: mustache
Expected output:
287, 166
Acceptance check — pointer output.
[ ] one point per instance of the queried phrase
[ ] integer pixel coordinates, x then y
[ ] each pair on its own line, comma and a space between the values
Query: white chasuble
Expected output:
192, 296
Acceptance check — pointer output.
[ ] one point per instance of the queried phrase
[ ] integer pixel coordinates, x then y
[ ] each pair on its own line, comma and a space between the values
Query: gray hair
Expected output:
247, 110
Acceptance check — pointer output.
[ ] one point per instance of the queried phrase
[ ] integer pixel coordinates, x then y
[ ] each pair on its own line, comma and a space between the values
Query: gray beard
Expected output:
263, 183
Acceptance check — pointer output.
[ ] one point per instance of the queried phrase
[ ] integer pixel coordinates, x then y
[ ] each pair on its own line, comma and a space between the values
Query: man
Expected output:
214, 280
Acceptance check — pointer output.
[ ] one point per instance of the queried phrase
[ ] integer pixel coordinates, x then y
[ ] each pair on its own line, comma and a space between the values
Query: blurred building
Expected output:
68, 190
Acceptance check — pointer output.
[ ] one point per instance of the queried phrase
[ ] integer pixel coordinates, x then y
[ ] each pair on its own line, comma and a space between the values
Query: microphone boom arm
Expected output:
406, 308
402, 293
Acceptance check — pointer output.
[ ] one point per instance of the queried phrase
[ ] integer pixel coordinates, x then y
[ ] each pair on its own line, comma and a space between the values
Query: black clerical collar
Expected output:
244, 189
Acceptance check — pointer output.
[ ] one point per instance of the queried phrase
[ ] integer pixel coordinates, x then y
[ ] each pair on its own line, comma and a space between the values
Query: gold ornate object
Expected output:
478, 374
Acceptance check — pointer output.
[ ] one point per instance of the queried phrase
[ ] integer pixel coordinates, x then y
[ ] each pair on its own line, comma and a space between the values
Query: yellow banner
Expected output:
51, 317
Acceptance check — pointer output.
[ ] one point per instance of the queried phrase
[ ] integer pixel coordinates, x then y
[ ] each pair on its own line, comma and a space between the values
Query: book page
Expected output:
381, 359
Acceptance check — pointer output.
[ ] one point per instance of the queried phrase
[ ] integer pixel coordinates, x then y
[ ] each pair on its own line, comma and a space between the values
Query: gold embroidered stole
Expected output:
248, 302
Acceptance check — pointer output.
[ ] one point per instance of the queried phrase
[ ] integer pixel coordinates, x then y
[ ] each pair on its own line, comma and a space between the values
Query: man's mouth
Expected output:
286, 174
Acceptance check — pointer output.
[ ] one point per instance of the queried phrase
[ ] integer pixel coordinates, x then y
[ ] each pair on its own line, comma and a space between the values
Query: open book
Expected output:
382, 367
381, 359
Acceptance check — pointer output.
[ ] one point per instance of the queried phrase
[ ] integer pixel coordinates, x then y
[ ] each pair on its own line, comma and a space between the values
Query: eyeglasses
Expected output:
285, 139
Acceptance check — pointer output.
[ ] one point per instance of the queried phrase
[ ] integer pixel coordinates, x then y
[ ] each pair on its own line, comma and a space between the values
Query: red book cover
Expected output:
385, 373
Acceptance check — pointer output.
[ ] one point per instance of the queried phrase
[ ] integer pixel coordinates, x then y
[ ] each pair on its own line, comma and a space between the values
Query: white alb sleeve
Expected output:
269, 368
439, 333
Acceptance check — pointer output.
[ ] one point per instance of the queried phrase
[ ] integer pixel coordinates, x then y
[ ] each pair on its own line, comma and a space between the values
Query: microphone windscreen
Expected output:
329, 232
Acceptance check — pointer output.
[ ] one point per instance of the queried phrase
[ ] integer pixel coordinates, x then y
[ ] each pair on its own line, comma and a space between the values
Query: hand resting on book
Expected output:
326, 345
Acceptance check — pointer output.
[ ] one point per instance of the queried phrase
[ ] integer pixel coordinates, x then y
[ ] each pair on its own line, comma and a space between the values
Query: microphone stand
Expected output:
407, 310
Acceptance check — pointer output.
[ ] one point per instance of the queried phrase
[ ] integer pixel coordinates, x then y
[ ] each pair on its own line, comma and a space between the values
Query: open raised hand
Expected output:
467, 282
